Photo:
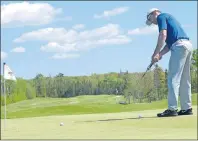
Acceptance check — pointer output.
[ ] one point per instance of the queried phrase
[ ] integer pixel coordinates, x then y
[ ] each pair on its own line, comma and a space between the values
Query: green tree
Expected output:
194, 70
159, 82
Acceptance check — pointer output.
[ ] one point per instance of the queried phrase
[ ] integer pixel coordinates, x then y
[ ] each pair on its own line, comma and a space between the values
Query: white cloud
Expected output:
78, 26
61, 40
110, 13
18, 49
107, 31
56, 47
144, 30
46, 34
26, 13
69, 36
151, 29
3, 55
65, 56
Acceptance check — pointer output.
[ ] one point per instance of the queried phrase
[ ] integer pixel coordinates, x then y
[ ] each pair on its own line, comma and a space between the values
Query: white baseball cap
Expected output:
148, 14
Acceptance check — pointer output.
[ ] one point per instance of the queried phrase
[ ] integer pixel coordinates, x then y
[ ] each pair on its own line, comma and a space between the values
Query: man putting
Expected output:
179, 83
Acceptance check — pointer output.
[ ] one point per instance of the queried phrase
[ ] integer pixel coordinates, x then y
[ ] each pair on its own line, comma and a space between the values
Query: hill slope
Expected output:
77, 105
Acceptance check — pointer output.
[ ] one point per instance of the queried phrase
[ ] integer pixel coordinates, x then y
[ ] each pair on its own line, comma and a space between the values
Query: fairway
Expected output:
123, 125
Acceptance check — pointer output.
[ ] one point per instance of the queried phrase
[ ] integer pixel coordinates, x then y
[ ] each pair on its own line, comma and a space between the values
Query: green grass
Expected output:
94, 117
124, 125
77, 105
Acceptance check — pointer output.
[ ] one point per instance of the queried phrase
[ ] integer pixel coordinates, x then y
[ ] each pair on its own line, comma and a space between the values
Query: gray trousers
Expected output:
179, 80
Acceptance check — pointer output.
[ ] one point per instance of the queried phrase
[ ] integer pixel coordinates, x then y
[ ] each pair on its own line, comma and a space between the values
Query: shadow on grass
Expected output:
119, 119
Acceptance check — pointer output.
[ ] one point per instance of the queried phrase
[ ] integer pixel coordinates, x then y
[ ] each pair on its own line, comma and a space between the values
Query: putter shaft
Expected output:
148, 68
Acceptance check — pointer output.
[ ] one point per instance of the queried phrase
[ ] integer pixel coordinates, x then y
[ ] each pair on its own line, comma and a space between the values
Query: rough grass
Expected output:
77, 105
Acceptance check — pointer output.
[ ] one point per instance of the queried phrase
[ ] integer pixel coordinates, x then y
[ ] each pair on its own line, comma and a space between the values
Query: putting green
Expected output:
125, 125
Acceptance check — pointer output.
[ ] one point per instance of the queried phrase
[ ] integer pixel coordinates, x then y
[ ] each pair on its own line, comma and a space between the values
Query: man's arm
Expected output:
161, 53
161, 40
162, 25
164, 50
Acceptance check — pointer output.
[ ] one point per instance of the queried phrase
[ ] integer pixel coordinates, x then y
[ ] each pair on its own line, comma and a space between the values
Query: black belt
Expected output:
186, 38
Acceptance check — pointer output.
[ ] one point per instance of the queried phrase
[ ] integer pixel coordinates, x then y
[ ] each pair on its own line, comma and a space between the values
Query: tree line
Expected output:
152, 87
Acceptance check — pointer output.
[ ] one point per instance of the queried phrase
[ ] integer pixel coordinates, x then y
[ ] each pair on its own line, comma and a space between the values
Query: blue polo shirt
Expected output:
173, 27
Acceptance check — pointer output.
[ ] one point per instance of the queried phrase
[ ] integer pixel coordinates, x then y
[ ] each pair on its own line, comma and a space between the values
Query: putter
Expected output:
148, 68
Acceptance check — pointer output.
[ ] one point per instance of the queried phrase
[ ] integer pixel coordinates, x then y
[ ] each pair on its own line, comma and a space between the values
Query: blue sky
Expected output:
81, 38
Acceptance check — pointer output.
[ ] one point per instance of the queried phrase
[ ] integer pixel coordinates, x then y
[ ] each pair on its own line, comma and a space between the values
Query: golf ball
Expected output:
61, 124
139, 116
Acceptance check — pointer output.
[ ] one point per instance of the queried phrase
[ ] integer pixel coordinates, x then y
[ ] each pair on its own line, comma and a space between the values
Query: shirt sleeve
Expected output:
162, 25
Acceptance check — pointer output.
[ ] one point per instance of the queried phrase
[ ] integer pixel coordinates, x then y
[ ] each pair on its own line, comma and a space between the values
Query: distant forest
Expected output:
152, 87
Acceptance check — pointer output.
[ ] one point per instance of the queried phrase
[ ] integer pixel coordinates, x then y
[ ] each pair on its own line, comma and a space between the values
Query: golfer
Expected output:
177, 42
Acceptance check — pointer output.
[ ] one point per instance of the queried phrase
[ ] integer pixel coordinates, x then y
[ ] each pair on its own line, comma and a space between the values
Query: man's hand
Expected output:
156, 58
